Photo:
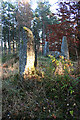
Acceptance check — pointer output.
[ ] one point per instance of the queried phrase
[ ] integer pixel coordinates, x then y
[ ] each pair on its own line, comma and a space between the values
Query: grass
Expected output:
7, 57
41, 95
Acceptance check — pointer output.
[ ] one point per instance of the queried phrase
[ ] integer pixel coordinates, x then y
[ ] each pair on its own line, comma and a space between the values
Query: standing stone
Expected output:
64, 48
55, 54
30, 63
22, 53
46, 48
59, 69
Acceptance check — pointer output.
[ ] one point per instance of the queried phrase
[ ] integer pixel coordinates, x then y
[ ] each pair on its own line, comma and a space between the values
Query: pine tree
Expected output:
43, 12
8, 14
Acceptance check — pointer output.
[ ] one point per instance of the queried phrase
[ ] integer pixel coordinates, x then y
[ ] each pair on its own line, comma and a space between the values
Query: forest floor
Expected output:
36, 96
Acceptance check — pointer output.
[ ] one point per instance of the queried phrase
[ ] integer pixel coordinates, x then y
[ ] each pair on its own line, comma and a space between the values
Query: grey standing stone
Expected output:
22, 53
55, 54
64, 48
46, 48
59, 69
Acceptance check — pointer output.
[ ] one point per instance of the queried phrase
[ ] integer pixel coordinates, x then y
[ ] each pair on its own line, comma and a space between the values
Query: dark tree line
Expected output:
16, 16
9, 36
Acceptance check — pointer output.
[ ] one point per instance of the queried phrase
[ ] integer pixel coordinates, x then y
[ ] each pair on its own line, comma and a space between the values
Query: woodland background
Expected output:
41, 94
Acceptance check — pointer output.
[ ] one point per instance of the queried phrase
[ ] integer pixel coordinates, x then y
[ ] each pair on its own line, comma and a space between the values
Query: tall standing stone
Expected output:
46, 48
64, 48
22, 52
30, 63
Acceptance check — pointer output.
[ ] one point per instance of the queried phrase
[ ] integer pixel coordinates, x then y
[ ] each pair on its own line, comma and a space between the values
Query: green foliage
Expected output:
42, 18
42, 95
8, 14
62, 90
7, 57
66, 64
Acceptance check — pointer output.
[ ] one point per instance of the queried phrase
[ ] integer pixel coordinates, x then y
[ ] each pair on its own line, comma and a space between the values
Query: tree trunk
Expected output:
5, 48
13, 37
76, 50
13, 47
35, 56
2, 46
16, 41
0, 61
43, 37
19, 38
9, 46
16, 46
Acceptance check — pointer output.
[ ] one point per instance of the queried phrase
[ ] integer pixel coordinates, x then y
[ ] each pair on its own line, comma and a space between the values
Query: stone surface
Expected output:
22, 53
30, 63
55, 54
64, 48
46, 48
59, 69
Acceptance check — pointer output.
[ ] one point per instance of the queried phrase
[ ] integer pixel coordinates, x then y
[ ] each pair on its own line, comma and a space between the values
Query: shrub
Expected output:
61, 63
62, 90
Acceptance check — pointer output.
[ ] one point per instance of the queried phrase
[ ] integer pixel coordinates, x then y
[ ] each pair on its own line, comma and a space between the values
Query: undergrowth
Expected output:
41, 95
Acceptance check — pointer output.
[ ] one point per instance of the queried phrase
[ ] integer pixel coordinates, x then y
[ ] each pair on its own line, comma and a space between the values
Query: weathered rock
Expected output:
46, 48
55, 54
59, 69
64, 48
30, 63
22, 52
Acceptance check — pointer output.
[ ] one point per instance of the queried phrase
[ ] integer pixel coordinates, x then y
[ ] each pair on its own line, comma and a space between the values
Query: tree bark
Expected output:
0, 61
35, 64
43, 36
13, 37
9, 49
2, 46
13, 47
5, 48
